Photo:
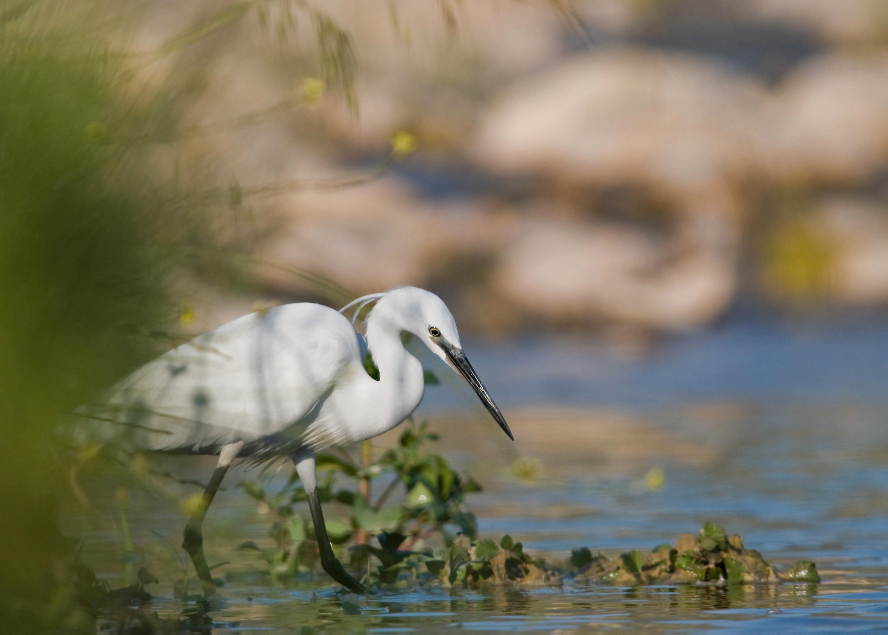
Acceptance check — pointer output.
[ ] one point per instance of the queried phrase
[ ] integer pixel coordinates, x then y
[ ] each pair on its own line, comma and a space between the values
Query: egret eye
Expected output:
434, 332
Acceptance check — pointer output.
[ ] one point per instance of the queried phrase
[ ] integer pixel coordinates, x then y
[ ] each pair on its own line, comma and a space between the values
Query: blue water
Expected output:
762, 363
794, 456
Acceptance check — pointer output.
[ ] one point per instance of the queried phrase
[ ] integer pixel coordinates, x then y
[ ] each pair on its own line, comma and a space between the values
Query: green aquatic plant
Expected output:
431, 507
484, 562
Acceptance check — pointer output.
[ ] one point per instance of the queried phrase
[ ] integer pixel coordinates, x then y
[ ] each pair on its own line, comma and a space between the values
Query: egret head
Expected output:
423, 315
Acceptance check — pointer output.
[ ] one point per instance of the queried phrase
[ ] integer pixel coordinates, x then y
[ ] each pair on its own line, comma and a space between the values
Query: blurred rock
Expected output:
571, 271
426, 66
831, 120
375, 236
673, 122
858, 232
835, 20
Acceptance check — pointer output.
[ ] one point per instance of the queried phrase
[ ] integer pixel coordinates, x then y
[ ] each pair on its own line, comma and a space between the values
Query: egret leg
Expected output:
305, 466
193, 538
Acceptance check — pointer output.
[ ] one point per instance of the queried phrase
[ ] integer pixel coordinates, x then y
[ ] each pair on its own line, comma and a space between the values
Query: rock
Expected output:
830, 120
425, 67
844, 21
858, 233
675, 122
583, 272
374, 236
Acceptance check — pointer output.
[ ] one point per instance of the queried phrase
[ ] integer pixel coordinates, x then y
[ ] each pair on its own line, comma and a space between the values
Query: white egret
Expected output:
289, 381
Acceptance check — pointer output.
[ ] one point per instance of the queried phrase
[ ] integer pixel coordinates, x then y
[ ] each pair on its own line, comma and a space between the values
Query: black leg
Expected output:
328, 560
193, 538
193, 542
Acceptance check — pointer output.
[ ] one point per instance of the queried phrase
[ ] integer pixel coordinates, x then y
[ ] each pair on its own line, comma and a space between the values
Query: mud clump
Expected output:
710, 557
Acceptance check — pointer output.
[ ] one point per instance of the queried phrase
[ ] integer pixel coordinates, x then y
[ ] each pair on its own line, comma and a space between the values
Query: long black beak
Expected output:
462, 364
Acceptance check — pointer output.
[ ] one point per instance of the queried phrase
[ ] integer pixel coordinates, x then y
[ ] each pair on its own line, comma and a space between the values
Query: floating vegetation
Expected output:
709, 557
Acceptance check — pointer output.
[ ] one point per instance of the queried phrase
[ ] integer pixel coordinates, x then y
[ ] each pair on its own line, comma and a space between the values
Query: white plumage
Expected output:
262, 374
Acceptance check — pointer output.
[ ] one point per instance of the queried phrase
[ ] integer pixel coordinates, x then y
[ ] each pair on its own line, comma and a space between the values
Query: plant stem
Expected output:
364, 485
385, 494
127, 542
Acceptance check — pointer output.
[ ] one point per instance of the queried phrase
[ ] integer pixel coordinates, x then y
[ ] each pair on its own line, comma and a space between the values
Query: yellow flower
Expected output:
403, 143
312, 90
527, 468
186, 314
654, 479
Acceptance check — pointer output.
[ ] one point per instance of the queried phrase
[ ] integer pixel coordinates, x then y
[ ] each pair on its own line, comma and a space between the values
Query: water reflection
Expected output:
794, 481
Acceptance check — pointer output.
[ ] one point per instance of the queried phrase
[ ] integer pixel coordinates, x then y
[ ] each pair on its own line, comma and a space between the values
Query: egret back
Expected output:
262, 376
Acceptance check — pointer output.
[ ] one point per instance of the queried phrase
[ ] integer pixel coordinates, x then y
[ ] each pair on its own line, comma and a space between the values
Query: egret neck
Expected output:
400, 387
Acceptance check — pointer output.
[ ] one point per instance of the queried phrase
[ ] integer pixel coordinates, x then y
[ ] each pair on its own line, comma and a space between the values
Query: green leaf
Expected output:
389, 518
632, 561
250, 545
365, 517
486, 549
446, 478
506, 543
346, 497
458, 571
707, 544
254, 490
338, 530
325, 460
435, 567
296, 528
420, 495
470, 485
350, 608
580, 558
687, 563
735, 571
391, 541
715, 533
429, 378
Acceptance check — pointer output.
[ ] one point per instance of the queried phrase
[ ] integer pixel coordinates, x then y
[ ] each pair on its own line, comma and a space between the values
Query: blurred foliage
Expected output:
798, 261
432, 507
84, 271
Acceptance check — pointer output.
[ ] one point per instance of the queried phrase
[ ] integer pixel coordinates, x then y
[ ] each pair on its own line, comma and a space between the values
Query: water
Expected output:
778, 435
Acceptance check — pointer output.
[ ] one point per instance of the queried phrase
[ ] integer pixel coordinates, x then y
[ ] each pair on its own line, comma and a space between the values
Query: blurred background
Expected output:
625, 168
661, 225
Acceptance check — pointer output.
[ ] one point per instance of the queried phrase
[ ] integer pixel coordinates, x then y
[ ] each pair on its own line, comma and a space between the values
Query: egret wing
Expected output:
260, 378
